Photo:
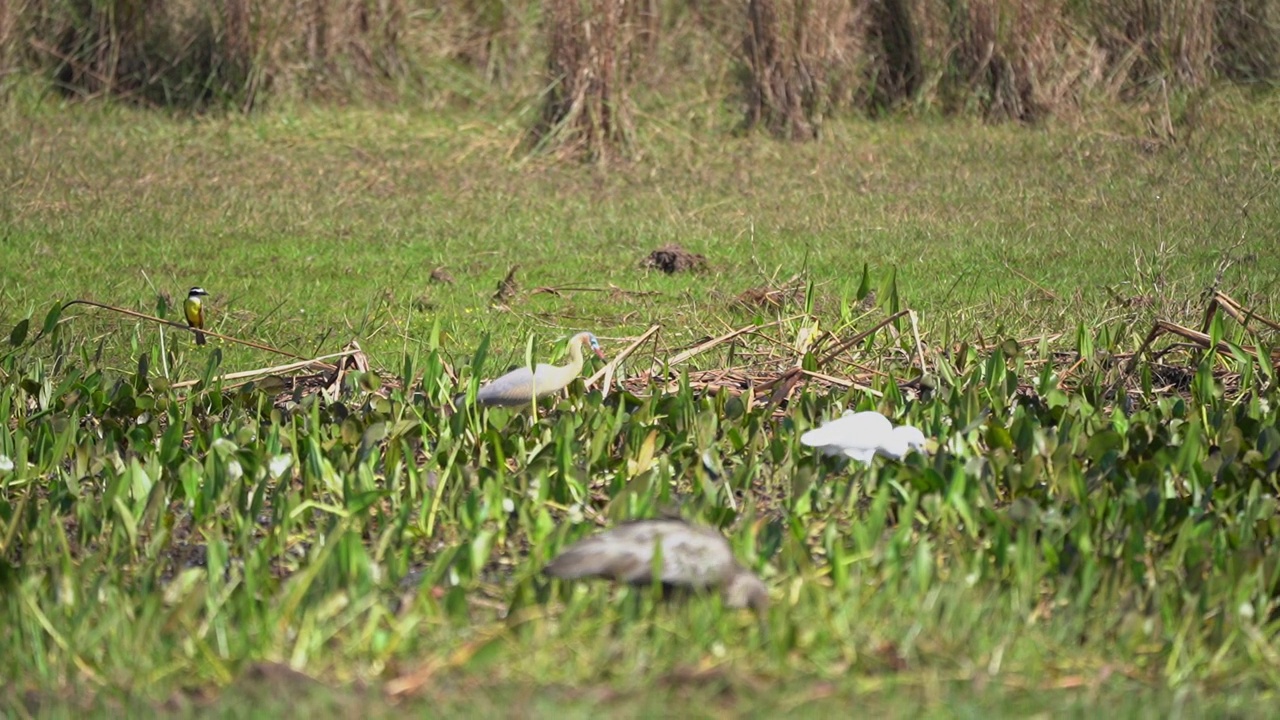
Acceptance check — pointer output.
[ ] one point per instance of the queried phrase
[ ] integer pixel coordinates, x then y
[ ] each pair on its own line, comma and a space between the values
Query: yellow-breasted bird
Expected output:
193, 307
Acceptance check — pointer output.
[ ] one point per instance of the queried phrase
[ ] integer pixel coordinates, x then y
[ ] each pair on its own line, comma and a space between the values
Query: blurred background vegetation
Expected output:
784, 65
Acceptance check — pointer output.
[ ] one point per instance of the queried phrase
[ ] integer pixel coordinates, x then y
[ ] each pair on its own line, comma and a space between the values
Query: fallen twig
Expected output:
316, 362
703, 347
1047, 292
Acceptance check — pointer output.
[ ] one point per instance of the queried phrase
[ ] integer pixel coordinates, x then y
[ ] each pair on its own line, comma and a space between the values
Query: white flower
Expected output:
508, 505
234, 471
1246, 610
6, 465
575, 514
279, 464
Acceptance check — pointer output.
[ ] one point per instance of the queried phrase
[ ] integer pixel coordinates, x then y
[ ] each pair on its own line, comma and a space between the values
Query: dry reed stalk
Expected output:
897, 69
180, 326
317, 33
236, 40
1233, 308
642, 20
1019, 60
12, 12
1149, 41
586, 110
360, 38
799, 57
714, 342
320, 362
1202, 340
495, 37
1248, 39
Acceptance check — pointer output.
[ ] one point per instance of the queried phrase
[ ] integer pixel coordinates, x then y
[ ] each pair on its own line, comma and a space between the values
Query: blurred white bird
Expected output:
863, 435
693, 557
522, 385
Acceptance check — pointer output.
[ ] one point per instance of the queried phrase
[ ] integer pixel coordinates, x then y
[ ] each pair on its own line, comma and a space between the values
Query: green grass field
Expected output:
180, 549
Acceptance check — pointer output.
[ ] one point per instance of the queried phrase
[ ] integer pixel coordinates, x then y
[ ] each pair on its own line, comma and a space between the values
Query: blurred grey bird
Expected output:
693, 557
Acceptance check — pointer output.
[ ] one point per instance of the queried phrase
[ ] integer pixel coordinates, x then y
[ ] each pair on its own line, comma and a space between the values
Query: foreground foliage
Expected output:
1085, 532
167, 539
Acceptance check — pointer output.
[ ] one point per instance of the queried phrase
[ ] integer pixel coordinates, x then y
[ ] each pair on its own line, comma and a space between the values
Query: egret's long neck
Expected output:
575, 358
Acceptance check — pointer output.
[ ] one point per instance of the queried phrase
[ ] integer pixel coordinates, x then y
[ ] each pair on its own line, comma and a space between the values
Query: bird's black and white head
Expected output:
196, 292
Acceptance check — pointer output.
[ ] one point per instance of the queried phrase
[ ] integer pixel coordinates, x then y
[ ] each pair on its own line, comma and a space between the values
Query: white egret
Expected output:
522, 385
863, 435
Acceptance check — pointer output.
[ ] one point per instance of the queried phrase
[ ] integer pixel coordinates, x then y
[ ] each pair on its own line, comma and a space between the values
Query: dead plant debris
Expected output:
440, 276
672, 259
772, 297
507, 288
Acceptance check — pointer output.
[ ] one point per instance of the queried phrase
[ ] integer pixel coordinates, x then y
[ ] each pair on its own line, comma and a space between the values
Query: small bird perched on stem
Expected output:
193, 308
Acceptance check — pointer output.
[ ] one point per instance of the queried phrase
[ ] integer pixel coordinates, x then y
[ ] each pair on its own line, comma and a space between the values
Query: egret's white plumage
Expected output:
903, 439
522, 385
862, 435
692, 557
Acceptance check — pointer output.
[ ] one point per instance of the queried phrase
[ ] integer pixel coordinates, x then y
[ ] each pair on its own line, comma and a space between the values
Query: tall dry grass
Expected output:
11, 15
586, 109
792, 63
1016, 59
165, 53
195, 53
800, 58
497, 38
895, 67
1151, 43
1248, 39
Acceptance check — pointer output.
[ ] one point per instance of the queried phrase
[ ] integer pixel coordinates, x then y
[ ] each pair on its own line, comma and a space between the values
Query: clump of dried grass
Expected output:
895, 67
672, 259
187, 54
1248, 39
799, 60
1155, 42
586, 111
494, 37
11, 19
795, 61
198, 53
326, 47
1004, 59
1017, 60
771, 297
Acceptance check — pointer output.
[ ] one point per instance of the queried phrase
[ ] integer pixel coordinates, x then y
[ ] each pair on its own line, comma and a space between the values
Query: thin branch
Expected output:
317, 362
187, 328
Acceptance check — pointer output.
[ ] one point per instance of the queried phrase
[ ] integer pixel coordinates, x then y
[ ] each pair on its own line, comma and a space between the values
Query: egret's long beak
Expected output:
599, 353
